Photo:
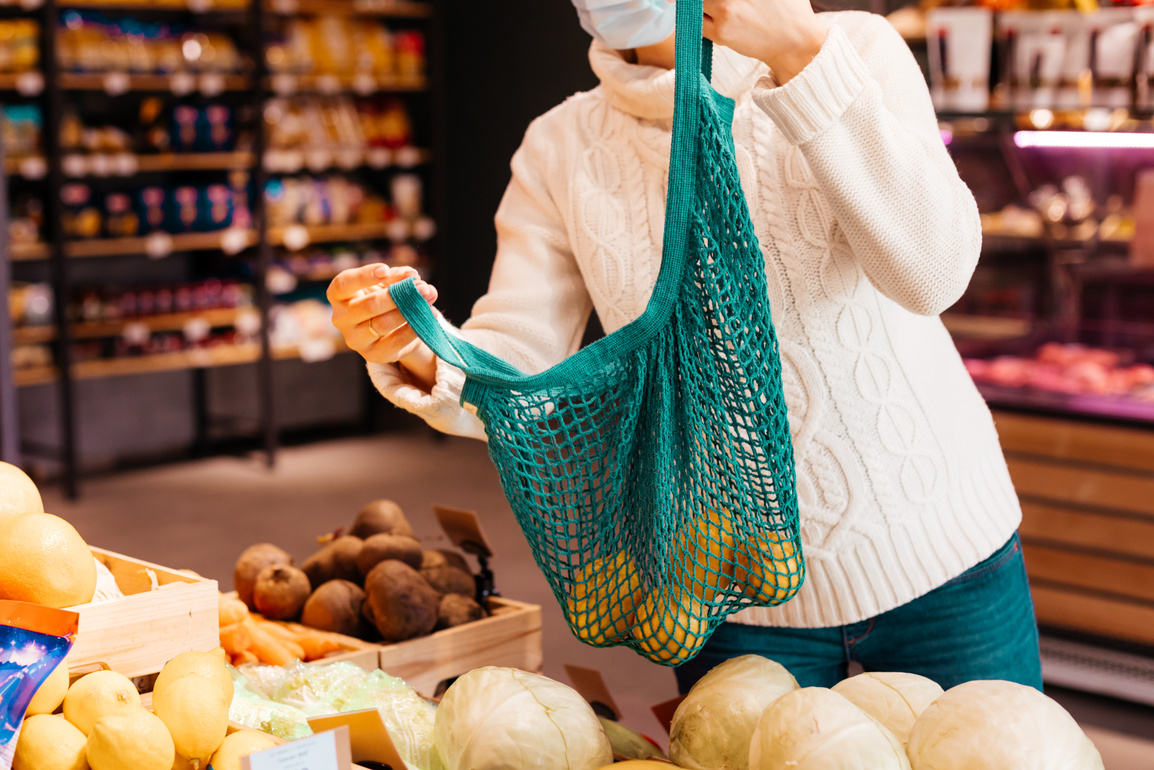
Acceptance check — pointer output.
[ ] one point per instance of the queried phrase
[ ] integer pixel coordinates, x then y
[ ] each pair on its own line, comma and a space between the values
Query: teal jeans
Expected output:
980, 625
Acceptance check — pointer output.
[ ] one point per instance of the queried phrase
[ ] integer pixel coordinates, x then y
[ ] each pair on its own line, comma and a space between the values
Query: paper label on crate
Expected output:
369, 739
464, 530
664, 711
591, 686
324, 751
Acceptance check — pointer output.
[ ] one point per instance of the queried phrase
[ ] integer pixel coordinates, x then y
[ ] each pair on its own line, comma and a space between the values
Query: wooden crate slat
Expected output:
1100, 615
1104, 444
1087, 529
1060, 482
138, 634
1100, 573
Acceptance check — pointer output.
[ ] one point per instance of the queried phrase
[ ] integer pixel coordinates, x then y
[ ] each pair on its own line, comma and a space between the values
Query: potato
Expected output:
336, 606
380, 517
379, 548
444, 577
253, 560
456, 610
399, 602
454, 559
280, 592
336, 561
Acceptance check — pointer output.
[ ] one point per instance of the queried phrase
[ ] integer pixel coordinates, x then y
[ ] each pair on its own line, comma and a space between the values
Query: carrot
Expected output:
235, 638
267, 647
231, 610
244, 657
313, 643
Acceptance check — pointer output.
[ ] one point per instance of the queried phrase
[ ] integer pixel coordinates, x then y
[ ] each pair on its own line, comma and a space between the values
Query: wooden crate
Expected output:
164, 612
510, 636
1087, 495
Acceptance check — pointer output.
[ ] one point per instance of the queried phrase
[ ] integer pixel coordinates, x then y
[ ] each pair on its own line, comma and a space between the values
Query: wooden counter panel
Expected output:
1100, 615
1100, 573
1131, 448
1087, 528
1066, 483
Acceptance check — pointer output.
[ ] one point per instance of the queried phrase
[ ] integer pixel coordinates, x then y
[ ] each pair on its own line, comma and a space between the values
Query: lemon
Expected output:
212, 665
49, 743
670, 629
45, 561
17, 492
180, 763
769, 568
99, 694
51, 692
604, 600
240, 744
706, 548
195, 712
134, 740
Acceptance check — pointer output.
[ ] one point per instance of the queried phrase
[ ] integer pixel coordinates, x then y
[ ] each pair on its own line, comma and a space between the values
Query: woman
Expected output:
908, 514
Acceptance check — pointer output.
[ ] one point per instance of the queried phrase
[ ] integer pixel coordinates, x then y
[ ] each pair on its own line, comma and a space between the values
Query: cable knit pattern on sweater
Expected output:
868, 234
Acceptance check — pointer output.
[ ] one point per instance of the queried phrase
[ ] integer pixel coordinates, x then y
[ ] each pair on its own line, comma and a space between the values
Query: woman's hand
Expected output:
368, 318
785, 34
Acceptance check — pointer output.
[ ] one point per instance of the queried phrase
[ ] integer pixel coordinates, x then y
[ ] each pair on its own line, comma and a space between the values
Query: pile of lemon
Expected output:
103, 725
45, 559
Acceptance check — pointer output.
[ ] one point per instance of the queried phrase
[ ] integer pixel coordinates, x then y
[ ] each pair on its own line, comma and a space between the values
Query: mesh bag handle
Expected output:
652, 471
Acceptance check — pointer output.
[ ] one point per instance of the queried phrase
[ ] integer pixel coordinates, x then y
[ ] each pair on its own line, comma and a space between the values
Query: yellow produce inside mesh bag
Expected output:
768, 568
605, 595
705, 554
671, 627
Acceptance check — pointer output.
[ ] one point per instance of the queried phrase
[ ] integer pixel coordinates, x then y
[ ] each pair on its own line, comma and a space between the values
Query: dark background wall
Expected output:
505, 63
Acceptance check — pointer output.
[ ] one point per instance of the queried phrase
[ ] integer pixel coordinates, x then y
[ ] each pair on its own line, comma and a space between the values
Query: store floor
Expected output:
200, 515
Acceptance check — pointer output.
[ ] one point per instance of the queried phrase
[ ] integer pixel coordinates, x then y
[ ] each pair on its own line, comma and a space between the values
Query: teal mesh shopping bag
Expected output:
652, 472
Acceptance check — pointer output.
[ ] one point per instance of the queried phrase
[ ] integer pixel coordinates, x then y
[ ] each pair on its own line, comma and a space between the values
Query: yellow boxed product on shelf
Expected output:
163, 612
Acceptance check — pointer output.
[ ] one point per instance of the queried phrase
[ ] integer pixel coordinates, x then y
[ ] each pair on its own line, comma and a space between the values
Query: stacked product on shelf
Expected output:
179, 138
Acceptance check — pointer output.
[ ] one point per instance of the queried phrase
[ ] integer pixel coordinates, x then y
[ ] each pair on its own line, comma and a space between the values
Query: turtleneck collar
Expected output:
647, 92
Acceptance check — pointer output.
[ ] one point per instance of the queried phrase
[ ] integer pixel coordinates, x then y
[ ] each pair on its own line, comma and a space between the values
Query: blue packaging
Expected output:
34, 639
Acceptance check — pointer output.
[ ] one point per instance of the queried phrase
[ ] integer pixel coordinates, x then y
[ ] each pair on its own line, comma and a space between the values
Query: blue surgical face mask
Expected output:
625, 24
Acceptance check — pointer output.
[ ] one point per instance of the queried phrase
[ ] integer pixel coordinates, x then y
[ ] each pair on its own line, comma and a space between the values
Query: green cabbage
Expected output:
506, 719
893, 698
712, 727
998, 725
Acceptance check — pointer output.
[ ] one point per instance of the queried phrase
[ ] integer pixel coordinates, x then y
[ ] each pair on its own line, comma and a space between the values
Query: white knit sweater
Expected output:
868, 234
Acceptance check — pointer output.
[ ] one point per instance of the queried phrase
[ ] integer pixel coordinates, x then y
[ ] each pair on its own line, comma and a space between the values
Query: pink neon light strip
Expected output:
1083, 139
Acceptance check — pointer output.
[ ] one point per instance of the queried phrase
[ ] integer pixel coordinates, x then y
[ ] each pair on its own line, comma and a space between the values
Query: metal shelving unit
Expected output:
50, 88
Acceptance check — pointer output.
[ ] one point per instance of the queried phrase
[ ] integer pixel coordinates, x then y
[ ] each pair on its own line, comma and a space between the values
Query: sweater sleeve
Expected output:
535, 310
861, 114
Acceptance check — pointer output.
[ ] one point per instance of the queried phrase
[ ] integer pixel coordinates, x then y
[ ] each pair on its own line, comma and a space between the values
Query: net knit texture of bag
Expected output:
652, 471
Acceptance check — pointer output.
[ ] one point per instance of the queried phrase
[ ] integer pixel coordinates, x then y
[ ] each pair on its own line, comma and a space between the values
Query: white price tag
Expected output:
33, 168
328, 84
292, 161
182, 83
296, 237
197, 330
318, 159
247, 321
407, 157
424, 229
135, 333
199, 6
29, 83
364, 83
284, 84
233, 240
31, 5
212, 84
117, 83
74, 165
124, 164
285, 6
100, 165
315, 350
158, 245
280, 281
398, 230
318, 752
379, 157
349, 158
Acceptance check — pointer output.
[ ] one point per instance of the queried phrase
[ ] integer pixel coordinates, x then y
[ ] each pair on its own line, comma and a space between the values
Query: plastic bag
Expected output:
254, 711
34, 639
315, 689
407, 716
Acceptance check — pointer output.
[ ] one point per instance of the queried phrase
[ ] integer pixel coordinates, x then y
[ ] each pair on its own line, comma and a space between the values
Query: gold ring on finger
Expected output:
376, 334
